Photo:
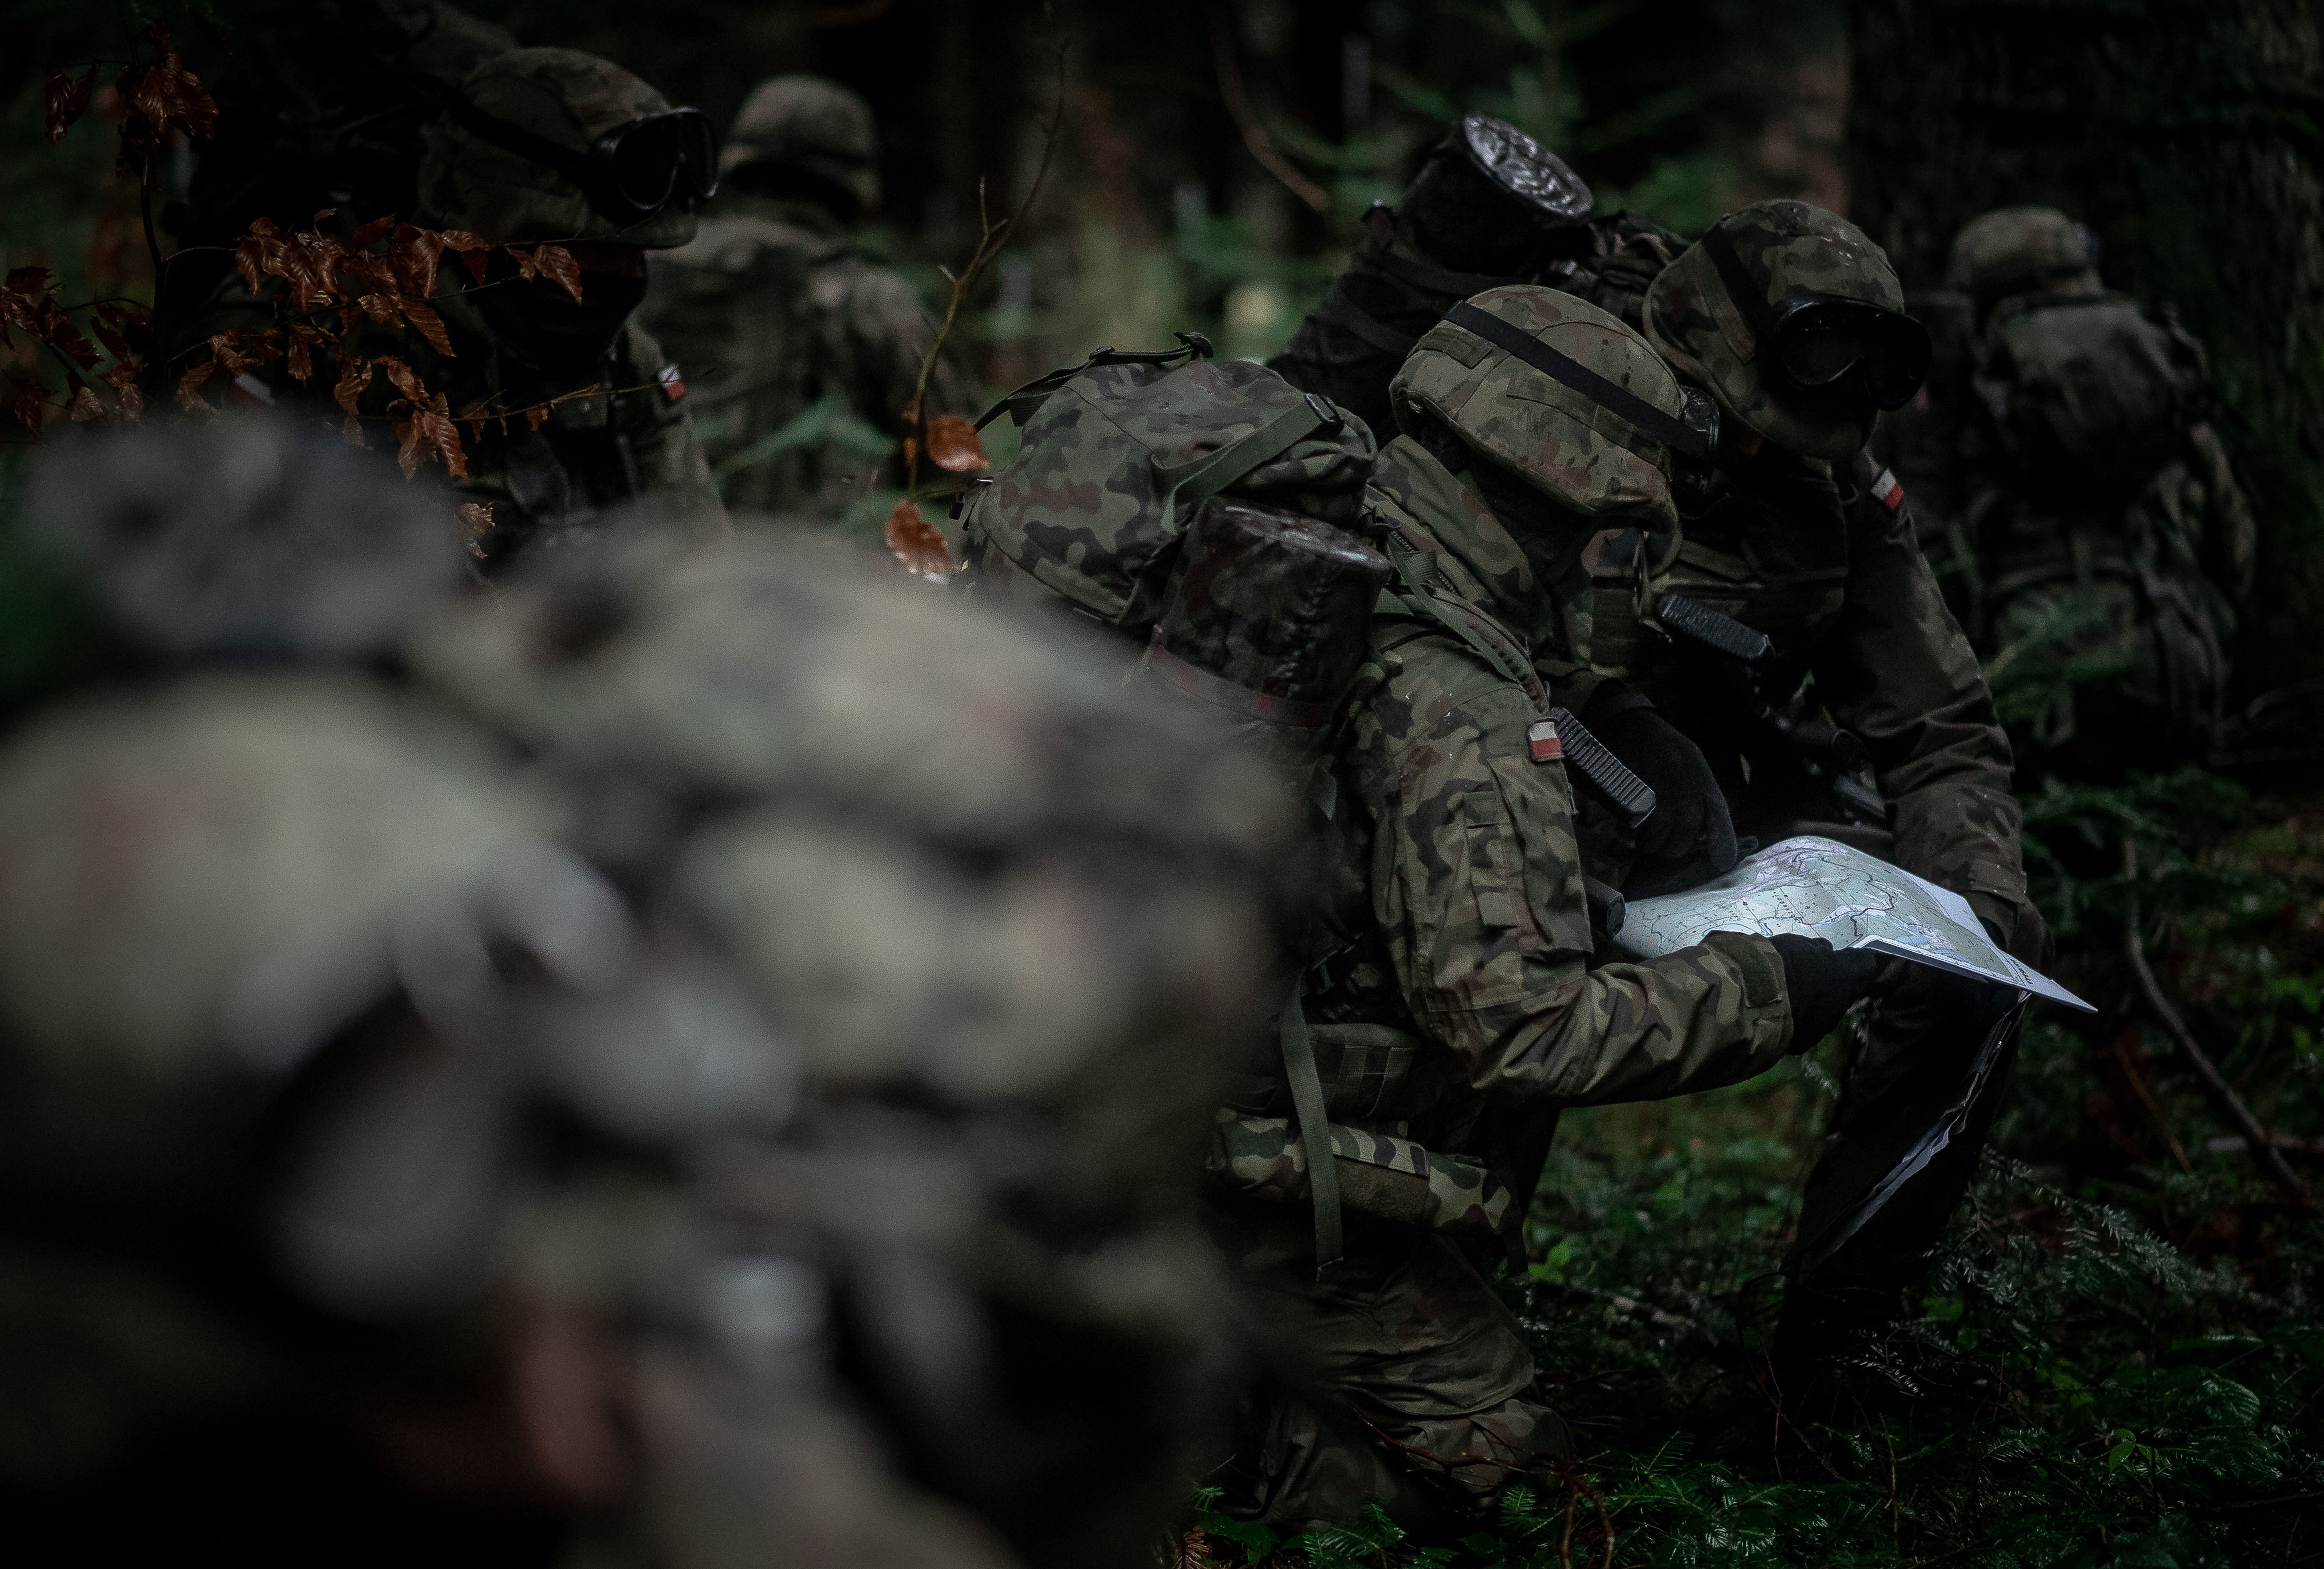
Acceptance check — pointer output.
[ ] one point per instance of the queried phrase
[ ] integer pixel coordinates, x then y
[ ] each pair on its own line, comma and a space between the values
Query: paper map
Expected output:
1816, 888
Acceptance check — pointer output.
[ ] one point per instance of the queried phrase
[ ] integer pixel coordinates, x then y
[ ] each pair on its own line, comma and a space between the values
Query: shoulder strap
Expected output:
1199, 479
1025, 401
1314, 1133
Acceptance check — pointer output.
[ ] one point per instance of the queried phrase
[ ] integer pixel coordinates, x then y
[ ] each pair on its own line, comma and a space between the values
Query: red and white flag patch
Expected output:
673, 386
1541, 737
1887, 490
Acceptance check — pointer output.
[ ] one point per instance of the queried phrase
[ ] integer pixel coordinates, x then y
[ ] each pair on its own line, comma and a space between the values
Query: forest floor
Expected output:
2117, 1355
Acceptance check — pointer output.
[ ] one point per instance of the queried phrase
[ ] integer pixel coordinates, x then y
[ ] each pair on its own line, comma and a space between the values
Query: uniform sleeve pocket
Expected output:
1495, 873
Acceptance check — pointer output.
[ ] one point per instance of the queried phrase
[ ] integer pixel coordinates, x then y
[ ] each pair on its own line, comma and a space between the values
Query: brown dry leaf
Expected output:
415, 253
378, 307
953, 447
478, 517
123, 379
28, 401
428, 324
115, 344
168, 95
916, 543
303, 341
66, 99
190, 396
84, 406
355, 375
404, 379
527, 265
369, 235
556, 261
537, 416
431, 433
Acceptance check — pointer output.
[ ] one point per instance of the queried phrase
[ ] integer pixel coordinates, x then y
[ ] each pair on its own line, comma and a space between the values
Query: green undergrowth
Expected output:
2116, 1354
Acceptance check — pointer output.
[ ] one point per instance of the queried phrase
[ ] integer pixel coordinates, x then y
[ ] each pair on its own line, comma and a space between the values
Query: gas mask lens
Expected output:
1822, 346
647, 159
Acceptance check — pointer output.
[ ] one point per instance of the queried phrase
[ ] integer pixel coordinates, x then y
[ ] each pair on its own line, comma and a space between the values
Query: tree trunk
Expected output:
2190, 135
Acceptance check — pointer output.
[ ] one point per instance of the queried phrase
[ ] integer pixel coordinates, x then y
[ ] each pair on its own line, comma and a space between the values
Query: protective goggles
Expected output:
1815, 343
1692, 434
628, 174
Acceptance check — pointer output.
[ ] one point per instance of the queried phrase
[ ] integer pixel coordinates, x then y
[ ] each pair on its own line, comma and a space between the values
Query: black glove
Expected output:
1690, 818
1823, 983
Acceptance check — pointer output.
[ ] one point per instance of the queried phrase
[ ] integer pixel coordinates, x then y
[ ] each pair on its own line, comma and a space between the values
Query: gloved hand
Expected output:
1690, 816
1821, 981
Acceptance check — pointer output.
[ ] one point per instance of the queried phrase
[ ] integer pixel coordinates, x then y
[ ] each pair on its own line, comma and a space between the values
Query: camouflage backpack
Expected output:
2090, 387
1197, 506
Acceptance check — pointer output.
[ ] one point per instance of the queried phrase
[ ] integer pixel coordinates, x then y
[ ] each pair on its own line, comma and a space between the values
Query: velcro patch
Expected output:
672, 385
1541, 736
1888, 491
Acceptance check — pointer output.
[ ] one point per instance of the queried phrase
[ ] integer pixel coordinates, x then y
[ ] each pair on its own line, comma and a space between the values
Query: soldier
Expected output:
803, 355
1490, 207
734, 1136
1793, 631
1459, 999
2103, 529
582, 411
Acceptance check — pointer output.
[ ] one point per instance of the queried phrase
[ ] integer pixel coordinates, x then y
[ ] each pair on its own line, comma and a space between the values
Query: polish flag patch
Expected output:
1541, 737
250, 391
673, 386
1887, 490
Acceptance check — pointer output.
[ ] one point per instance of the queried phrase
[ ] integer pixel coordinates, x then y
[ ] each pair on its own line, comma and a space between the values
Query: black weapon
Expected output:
1823, 750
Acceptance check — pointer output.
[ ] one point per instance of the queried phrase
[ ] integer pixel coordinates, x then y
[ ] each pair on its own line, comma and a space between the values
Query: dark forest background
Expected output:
2117, 1357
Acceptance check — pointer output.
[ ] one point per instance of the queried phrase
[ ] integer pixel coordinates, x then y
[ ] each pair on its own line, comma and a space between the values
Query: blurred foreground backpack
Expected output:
1208, 509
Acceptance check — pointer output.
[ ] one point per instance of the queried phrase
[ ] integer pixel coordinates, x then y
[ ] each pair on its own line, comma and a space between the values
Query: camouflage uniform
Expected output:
1807, 540
517, 344
762, 1126
1431, 251
2102, 527
770, 311
1460, 1001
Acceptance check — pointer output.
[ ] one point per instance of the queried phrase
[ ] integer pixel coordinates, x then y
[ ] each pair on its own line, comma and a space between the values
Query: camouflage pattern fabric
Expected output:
1396, 288
1791, 246
561, 96
2104, 532
1379, 1174
1586, 457
1404, 1383
1455, 900
2021, 250
784, 334
291, 957
1090, 508
811, 124
615, 428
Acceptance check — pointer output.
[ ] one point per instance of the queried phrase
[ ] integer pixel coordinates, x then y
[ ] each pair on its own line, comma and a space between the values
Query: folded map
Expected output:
1816, 888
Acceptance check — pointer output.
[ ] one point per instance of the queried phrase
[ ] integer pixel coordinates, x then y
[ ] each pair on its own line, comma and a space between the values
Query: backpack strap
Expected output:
1199, 479
1026, 401
1314, 1133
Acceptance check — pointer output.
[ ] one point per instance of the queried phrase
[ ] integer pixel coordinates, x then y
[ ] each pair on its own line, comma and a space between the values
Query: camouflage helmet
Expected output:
471, 179
1006, 912
806, 121
1562, 395
249, 535
1789, 248
2014, 250
202, 885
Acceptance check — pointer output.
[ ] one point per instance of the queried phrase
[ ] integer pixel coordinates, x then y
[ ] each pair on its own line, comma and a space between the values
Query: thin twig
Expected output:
1254, 135
2136, 1078
992, 239
2263, 1147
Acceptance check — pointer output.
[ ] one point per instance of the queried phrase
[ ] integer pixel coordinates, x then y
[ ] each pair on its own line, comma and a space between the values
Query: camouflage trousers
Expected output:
1399, 1378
